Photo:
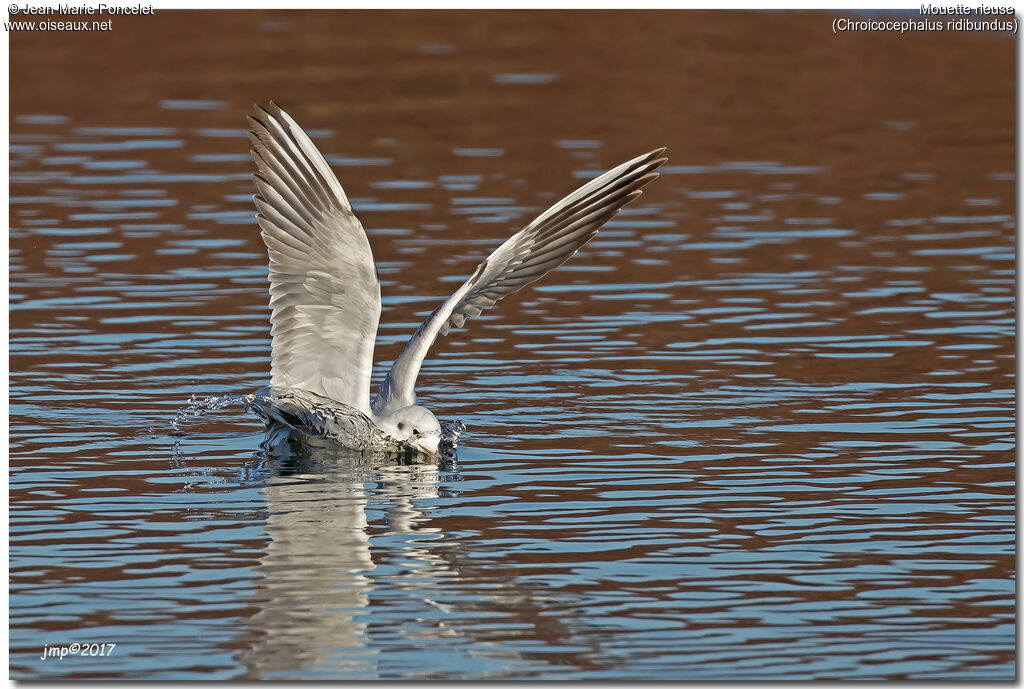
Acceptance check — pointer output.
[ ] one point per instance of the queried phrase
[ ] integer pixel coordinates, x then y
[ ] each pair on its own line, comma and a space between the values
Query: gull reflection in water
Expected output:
329, 607
316, 578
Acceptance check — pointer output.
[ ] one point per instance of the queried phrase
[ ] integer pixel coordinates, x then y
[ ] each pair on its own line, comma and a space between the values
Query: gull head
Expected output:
414, 425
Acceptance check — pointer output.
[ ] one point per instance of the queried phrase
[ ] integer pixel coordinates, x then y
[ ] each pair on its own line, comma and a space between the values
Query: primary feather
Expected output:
324, 290
544, 244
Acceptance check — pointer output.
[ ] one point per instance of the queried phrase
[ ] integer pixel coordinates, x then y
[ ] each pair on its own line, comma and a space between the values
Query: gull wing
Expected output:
544, 244
324, 289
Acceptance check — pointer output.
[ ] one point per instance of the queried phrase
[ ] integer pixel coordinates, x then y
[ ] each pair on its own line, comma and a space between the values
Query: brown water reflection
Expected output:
762, 427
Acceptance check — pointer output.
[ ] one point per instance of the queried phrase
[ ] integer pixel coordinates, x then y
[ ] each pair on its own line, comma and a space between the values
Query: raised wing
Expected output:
324, 290
546, 243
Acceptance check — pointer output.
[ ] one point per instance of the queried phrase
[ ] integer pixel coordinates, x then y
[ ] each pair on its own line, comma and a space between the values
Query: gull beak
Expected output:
428, 445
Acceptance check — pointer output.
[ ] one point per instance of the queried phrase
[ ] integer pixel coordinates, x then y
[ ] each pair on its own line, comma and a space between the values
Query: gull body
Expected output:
325, 292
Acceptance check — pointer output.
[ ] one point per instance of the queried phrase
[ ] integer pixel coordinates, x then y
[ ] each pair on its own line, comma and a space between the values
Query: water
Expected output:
762, 427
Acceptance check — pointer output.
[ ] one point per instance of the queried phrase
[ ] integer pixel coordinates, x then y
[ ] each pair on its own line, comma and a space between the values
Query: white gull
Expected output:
325, 291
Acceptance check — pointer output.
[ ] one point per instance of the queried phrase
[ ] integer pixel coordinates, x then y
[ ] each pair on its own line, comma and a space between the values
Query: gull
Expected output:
325, 297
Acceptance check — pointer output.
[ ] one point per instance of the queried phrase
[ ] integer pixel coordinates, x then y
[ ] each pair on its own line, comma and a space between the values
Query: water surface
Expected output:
762, 427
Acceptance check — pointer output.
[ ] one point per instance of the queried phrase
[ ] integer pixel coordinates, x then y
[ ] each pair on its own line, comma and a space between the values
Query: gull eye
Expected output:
415, 431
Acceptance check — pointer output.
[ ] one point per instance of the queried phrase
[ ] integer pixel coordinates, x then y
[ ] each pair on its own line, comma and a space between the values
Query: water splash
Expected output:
451, 431
199, 406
